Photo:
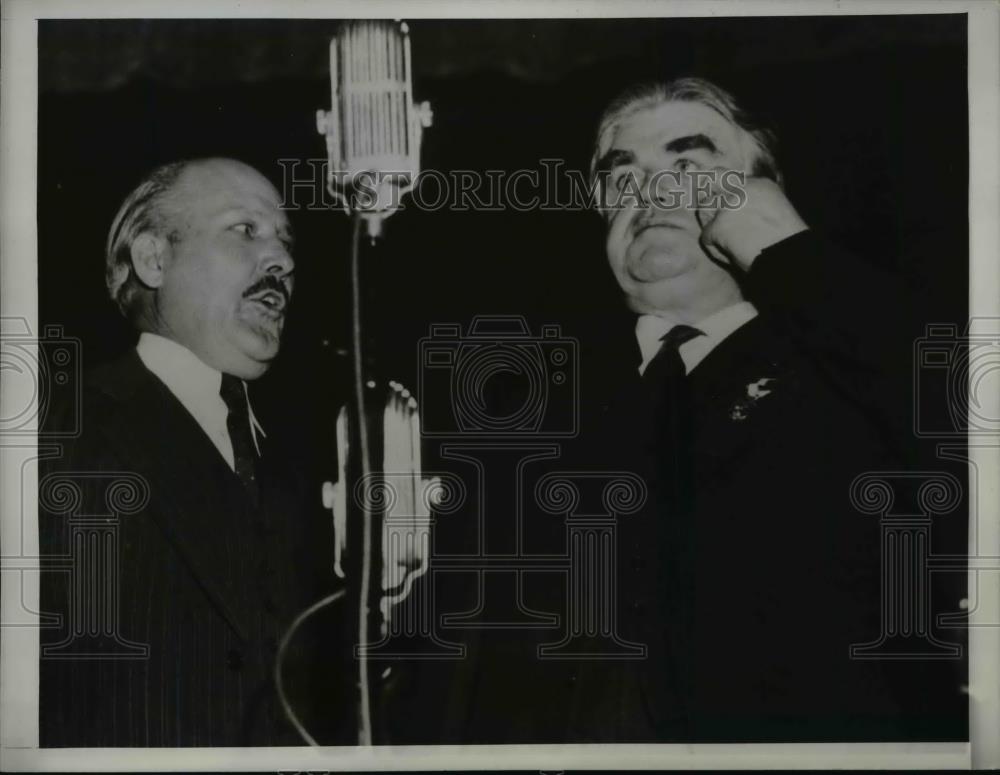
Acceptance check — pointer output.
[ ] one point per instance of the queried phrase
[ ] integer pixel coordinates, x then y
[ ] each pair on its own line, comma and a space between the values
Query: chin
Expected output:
252, 370
256, 352
653, 266
251, 364
263, 354
658, 295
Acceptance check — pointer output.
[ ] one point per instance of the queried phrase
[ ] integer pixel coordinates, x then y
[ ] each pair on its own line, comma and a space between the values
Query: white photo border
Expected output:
18, 478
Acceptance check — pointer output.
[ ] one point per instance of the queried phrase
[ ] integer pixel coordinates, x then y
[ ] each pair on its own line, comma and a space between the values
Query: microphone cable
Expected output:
280, 660
361, 650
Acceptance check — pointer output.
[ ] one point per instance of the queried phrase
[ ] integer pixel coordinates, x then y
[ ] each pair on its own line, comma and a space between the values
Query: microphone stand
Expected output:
360, 423
373, 124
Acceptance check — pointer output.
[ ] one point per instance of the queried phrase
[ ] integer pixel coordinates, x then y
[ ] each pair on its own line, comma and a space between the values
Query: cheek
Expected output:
226, 275
211, 286
228, 287
185, 287
617, 241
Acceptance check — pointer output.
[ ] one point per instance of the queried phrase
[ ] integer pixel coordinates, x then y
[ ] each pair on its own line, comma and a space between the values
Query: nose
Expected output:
661, 188
645, 186
277, 260
647, 193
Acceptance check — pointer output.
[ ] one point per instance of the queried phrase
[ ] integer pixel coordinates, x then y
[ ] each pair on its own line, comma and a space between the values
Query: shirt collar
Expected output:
649, 329
194, 382
187, 376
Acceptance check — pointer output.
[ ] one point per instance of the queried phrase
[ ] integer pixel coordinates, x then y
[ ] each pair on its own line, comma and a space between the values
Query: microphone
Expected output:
373, 129
373, 132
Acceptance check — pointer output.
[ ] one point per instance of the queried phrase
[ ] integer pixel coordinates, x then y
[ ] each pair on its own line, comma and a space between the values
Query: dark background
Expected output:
871, 115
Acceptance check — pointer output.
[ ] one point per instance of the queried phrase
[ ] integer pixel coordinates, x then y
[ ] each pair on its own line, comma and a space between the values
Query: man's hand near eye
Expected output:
738, 236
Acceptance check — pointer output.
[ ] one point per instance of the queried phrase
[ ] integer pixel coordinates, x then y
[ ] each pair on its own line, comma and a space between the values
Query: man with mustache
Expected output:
199, 260
772, 370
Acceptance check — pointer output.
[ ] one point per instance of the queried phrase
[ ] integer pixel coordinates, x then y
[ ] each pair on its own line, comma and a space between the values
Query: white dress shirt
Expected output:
649, 330
196, 385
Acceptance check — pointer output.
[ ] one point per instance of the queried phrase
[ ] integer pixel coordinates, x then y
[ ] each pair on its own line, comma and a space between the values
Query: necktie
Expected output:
668, 412
238, 423
667, 364
670, 421
670, 401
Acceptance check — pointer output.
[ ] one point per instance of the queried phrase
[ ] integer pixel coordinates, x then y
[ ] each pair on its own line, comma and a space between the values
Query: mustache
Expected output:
269, 282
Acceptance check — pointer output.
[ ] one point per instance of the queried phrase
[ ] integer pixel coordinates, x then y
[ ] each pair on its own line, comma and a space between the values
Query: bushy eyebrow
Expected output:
695, 142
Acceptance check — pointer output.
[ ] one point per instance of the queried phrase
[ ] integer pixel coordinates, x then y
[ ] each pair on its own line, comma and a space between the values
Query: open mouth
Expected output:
270, 302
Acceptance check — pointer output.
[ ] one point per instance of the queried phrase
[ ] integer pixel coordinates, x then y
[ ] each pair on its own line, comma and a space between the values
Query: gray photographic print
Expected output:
526, 387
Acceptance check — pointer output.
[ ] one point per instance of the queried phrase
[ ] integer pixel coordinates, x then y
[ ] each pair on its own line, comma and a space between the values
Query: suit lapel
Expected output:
745, 378
196, 498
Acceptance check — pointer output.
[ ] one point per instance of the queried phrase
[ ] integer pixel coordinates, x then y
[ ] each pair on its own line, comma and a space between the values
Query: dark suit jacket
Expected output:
184, 599
752, 576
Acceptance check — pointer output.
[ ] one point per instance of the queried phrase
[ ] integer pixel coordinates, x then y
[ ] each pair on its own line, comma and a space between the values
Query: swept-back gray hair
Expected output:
142, 211
761, 141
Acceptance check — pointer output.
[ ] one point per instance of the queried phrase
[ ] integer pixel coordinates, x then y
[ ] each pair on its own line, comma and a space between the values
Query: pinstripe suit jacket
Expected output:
166, 615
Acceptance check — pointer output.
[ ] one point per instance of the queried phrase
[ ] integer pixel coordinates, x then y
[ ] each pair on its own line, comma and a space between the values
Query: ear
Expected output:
150, 253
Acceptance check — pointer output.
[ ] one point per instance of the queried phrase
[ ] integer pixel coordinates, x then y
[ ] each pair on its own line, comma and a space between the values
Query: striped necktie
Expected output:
238, 423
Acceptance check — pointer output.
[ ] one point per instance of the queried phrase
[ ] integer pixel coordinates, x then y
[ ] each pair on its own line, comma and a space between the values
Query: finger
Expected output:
707, 196
705, 216
713, 251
